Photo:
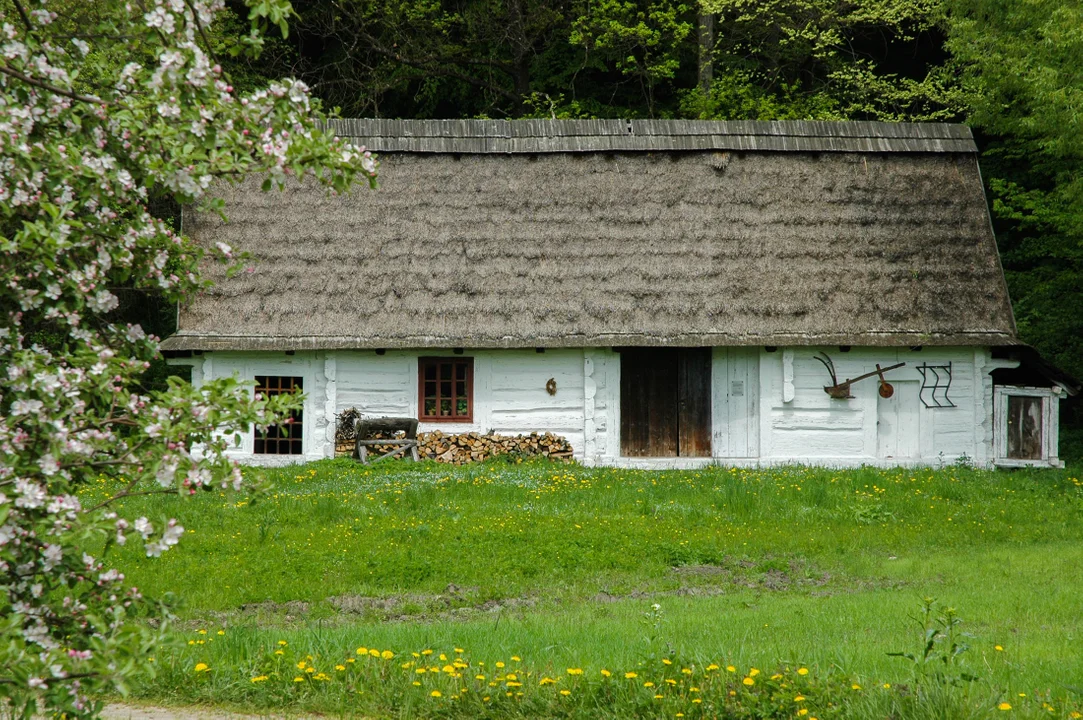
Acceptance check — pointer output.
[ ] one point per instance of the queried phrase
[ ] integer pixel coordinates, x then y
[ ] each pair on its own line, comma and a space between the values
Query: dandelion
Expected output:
686, 671
516, 658
667, 661
630, 675
360, 650
417, 684
513, 684
606, 673
479, 677
799, 698
887, 686
259, 678
221, 632
802, 712
340, 668
855, 686
298, 679
998, 648
423, 652
730, 668
279, 652
802, 671
461, 651
697, 701
436, 694
753, 672
749, 681
374, 652
712, 667
575, 671
565, 693
648, 684
283, 643
201, 667
658, 697
1004, 706
387, 654
499, 663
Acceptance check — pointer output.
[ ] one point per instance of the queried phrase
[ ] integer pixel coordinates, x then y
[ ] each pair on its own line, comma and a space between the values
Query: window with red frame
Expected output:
445, 389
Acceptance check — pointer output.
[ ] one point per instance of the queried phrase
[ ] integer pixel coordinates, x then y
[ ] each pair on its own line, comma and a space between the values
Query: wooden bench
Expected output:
366, 429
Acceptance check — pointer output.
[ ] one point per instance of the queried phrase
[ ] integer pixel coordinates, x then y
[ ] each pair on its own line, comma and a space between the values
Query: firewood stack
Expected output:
464, 447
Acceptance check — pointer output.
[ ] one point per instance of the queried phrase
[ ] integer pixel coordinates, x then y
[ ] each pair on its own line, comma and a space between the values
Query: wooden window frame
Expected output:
293, 443
422, 364
1050, 425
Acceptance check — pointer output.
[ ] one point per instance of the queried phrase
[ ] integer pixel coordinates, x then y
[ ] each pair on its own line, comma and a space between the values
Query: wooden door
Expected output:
897, 430
694, 401
736, 402
665, 402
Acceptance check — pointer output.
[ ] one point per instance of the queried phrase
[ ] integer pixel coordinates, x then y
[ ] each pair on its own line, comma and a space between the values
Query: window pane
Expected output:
445, 371
445, 407
461, 408
460, 371
430, 371
1024, 427
445, 389
430, 389
460, 389
430, 406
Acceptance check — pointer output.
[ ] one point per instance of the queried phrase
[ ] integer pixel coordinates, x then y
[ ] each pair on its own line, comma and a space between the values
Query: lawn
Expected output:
674, 577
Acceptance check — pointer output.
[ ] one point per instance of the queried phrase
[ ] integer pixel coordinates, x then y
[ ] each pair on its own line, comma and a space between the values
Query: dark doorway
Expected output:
665, 402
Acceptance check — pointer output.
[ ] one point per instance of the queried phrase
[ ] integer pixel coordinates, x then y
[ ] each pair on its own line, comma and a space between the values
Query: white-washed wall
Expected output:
815, 428
510, 397
311, 366
784, 414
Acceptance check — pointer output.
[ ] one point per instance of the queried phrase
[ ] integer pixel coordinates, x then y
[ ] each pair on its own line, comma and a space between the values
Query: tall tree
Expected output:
1022, 67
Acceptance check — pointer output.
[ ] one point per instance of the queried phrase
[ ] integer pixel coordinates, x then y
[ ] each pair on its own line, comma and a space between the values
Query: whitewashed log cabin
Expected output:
661, 293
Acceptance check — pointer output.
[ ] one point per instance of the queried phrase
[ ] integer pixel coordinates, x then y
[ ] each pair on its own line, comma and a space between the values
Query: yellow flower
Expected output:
606, 673
420, 670
657, 697
387, 654
374, 652
514, 684
221, 632
349, 660
1075, 715
697, 701
753, 672
436, 693
202, 632
201, 667
802, 671
667, 661
575, 671
516, 658
340, 668
310, 669
512, 676
362, 651
298, 679
998, 648
730, 668
711, 667
565, 692
749, 681
426, 652
459, 650
630, 675
887, 686
417, 684
259, 678
279, 652
648, 684
686, 671
301, 665
802, 712
499, 663
799, 698
1004, 706
283, 643
855, 686
479, 677
547, 681
671, 681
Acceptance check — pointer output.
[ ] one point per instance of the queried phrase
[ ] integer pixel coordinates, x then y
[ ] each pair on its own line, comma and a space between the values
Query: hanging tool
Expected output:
841, 391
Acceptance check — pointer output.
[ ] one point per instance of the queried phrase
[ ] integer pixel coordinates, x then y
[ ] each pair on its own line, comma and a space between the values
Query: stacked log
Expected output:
461, 448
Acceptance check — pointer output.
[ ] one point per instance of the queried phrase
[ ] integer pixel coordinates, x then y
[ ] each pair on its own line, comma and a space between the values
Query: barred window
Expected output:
446, 389
284, 438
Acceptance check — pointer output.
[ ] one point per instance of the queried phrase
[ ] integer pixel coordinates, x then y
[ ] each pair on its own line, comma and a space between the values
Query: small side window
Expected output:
445, 389
1025, 432
285, 438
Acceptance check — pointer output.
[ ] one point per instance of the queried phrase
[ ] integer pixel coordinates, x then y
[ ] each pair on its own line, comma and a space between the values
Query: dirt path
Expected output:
150, 712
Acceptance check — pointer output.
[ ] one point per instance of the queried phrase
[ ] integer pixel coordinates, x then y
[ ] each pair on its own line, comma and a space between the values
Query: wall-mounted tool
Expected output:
841, 390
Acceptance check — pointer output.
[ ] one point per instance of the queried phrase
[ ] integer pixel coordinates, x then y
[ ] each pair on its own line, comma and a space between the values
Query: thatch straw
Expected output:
600, 249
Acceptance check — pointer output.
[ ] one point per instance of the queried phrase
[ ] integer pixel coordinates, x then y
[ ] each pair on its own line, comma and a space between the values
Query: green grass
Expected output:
560, 565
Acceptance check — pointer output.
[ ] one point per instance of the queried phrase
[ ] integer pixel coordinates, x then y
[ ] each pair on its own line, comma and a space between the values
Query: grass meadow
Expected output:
553, 590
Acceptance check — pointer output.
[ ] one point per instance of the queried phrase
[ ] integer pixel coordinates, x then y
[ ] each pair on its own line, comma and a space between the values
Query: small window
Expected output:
445, 389
285, 438
1026, 420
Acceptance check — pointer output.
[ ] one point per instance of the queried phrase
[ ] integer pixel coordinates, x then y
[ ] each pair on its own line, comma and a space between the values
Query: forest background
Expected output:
1011, 69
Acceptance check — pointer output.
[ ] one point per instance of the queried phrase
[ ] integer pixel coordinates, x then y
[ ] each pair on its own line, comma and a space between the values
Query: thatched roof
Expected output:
610, 233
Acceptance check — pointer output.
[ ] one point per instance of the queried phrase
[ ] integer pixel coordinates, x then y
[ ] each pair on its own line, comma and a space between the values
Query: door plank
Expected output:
694, 402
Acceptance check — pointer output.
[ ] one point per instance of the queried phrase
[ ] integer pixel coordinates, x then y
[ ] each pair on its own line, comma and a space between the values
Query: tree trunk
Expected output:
705, 37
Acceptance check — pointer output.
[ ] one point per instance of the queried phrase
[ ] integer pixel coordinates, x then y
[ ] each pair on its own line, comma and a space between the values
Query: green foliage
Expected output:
1020, 64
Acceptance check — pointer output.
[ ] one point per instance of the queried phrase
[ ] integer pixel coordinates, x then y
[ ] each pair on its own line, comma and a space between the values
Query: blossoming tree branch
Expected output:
83, 137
